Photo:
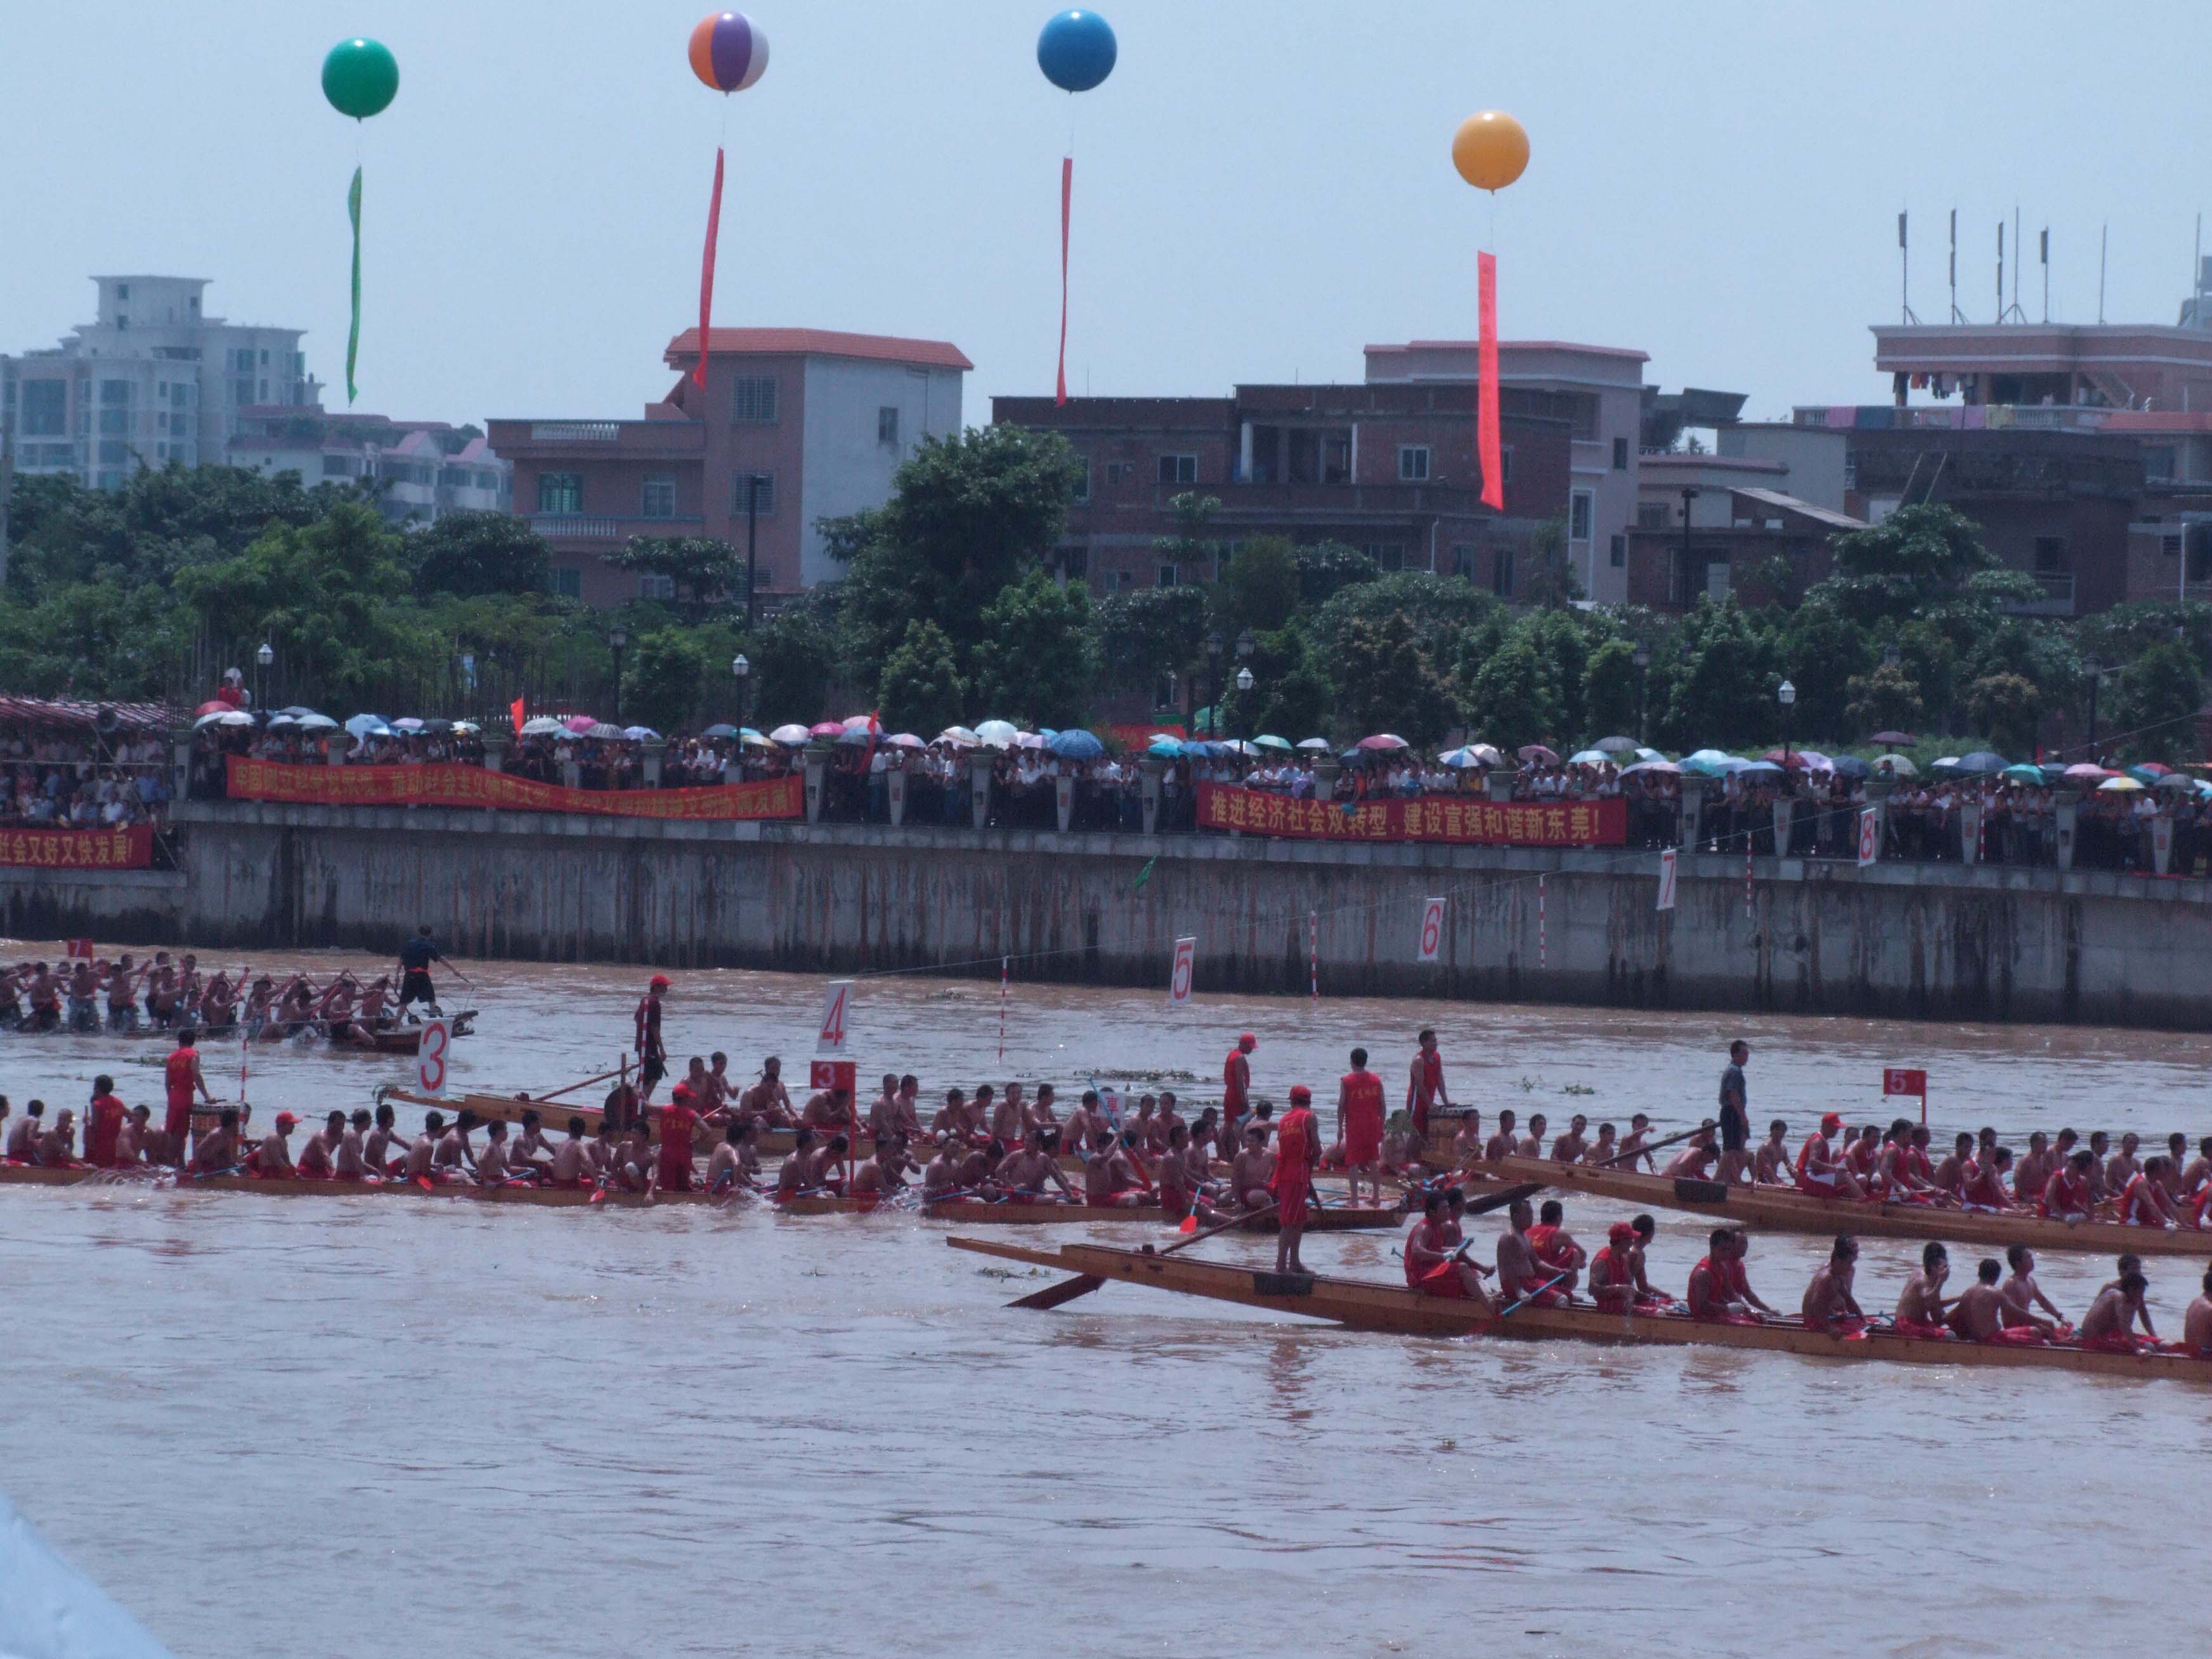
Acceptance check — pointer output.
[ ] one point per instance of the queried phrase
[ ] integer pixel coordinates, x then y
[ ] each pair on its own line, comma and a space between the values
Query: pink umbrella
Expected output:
580, 722
1383, 740
858, 722
826, 729
2086, 769
906, 740
1541, 756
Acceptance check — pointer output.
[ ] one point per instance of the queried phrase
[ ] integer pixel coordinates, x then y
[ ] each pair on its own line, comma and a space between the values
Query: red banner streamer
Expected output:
1469, 819
1492, 452
78, 849
444, 784
707, 269
1066, 200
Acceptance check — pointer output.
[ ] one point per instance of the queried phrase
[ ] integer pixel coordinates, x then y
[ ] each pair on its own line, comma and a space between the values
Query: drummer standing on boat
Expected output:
415, 956
180, 1075
652, 1053
1237, 1079
1425, 1085
1734, 1116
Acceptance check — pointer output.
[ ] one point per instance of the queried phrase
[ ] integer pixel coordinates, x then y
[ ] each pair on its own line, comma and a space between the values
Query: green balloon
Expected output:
360, 78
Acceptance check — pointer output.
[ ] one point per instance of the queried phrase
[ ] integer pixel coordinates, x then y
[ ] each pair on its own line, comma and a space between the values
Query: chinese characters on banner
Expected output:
1507, 823
79, 849
443, 784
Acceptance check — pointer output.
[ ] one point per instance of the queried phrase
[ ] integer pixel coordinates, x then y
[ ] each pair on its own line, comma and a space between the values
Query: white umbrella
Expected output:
958, 734
1617, 746
790, 736
210, 719
467, 725
1314, 745
235, 717
639, 733
998, 734
543, 725
311, 722
362, 725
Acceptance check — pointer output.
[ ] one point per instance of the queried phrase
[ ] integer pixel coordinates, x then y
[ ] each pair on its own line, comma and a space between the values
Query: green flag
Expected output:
353, 338
1143, 876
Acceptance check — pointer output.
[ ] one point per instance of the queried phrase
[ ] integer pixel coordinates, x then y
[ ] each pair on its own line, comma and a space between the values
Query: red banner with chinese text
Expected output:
445, 784
1467, 819
79, 849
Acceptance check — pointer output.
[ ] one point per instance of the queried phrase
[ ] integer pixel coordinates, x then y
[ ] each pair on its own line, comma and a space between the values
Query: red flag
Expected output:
515, 709
1067, 197
875, 730
1492, 451
707, 269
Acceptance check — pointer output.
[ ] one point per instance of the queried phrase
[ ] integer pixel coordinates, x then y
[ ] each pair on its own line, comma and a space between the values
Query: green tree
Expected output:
922, 690
1326, 568
1822, 651
473, 553
1513, 699
1192, 551
662, 679
1386, 682
703, 569
1291, 694
1146, 634
1885, 698
2008, 706
1612, 689
1259, 588
2155, 716
1550, 580
1038, 659
792, 652
1725, 680
1437, 608
1561, 641
1917, 560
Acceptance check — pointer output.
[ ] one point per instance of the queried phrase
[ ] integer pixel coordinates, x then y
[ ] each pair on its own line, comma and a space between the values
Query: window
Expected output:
1463, 562
1388, 556
241, 361
752, 400
1850, 469
1579, 507
1178, 469
1074, 562
1621, 454
1083, 485
122, 320
1620, 558
115, 420
651, 586
1413, 463
561, 492
565, 581
338, 466
658, 497
46, 409
1167, 576
114, 392
744, 498
887, 426
2050, 555
1501, 572
242, 392
123, 290
2170, 546
178, 393
1651, 515
1117, 472
114, 450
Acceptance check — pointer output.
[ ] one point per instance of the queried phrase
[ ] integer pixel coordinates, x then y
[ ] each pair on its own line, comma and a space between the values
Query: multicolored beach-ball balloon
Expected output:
1490, 149
360, 78
1077, 50
728, 51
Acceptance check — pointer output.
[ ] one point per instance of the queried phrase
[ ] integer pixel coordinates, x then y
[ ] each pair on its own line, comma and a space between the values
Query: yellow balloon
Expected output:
1491, 151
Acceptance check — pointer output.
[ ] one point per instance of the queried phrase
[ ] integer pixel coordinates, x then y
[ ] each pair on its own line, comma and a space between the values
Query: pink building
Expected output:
792, 426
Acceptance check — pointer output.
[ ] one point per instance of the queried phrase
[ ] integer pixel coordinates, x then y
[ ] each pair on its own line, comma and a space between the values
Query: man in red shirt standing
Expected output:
679, 1119
1236, 1080
103, 1124
652, 1053
180, 1075
1297, 1153
1425, 1086
1359, 1124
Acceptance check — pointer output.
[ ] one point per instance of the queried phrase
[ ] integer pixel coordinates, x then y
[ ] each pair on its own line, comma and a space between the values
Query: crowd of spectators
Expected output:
60, 770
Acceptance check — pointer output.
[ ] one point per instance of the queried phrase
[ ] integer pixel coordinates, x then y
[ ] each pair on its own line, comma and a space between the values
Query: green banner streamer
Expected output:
353, 337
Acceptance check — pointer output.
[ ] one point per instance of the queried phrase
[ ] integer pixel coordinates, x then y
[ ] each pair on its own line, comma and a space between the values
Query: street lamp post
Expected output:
1243, 691
741, 671
2095, 664
1643, 675
1214, 648
1787, 694
617, 637
262, 658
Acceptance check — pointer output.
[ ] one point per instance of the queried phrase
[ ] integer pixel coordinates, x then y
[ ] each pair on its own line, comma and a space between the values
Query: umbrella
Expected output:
1166, 749
311, 722
542, 726
755, 739
212, 706
998, 734
1891, 739
435, 725
720, 729
605, 731
1663, 768
1486, 754
467, 725
1314, 745
958, 734
1590, 757
1617, 746
407, 723
825, 728
1723, 766
859, 722
210, 719
1281, 745
2147, 774
275, 720
1077, 745
1708, 756
2176, 781
1815, 761
1761, 767
1541, 756
362, 725
2120, 785
1850, 766
1383, 740
905, 740
1944, 763
639, 733
2023, 773
1899, 766
853, 735
235, 717
1463, 760
790, 736
1649, 754
296, 711
1028, 740
579, 723
2086, 770
1981, 760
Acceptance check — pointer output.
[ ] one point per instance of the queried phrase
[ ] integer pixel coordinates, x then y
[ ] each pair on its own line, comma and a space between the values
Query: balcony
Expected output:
572, 530
593, 440
1323, 502
2057, 598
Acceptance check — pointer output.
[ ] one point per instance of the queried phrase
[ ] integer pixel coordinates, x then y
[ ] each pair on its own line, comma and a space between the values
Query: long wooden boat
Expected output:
1365, 1306
1783, 1209
391, 1039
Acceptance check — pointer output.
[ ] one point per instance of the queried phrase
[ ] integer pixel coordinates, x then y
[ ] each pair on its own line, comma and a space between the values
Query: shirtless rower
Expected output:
1520, 1278
1084, 1122
1979, 1313
318, 1158
492, 1168
2124, 1165
420, 1163
726, 1171
799, 1168
2101, 1145
571, 1159
2023, 1295
1612, 1282
1505, 1143
1711, 1292
2070, 1194
1828, 1299
2107, 1328
1164, 1124
83, 998
1252, 1171
1770, 1160
1695, 1161
2196, 1174
455, 1155
884, 1115
2032, 1171
531, 1153
57, 1148
1570, 1147
769, 1098
1006, 1117
122, 996
1636, 1144
1467, 1143
1025, 1171
2142, 1202
1435, 1264
44, 994
1817, 1171
1115, 1177
2197, 1323
1532, 1144
1921, 1310
2176, 1155
1182, 1191
883, 1172
218, 1153
1605, 1151
272, 1159
940, 1176
1951, 1173
956, 1118
1360, 1125
133, 1146
385, 1149
352, 1161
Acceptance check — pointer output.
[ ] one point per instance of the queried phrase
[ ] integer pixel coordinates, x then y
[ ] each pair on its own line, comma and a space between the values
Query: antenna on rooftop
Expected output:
1955, 315
2046, 273
2001, 308
2104, 240
1904, 274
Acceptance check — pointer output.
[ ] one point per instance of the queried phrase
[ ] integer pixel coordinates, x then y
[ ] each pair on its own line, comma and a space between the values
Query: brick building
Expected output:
793, 425
1389, 468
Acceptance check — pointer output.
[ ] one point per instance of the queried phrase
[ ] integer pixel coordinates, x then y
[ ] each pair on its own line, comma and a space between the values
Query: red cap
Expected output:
682, 1094
1621, 1232
286, 1121
1248, 1042
1300, 1095
659, 983
1830, 1121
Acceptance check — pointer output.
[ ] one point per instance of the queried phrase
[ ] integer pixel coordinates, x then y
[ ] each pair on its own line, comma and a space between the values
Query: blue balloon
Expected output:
1077, 50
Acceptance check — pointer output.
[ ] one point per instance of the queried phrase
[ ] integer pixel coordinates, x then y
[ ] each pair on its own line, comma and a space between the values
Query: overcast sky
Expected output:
1262, 188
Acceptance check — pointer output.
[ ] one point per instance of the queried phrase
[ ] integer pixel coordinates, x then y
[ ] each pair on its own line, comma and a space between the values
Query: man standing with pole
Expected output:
1298, 1154
180, 1075
652, 1052
1735, 1117
415, 956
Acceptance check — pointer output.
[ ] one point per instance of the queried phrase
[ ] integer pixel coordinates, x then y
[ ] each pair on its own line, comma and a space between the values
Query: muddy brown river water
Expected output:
365, 1426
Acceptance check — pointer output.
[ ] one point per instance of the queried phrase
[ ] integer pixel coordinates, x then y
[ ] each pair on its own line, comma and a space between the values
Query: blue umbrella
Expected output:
1760, 769
723, 730
1165, 749
362, 726
1981, 760
1075, 744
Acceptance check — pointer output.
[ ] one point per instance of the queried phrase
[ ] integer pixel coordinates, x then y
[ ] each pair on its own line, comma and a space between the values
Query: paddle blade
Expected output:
1066, 1291
1189, 1222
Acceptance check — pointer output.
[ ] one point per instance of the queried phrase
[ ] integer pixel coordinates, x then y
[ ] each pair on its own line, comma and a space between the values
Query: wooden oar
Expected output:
1083, 1284
571, 1089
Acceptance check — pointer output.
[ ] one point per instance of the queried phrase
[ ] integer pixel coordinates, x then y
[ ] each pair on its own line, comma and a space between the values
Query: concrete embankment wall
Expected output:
1905, 940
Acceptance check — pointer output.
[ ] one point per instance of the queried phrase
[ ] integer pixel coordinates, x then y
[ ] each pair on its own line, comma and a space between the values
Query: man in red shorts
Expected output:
180, 1075
1237, 1079
680, 1121
1433, 1264
103, 1124
1425, 1085
1297, 1153
1359, 1124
